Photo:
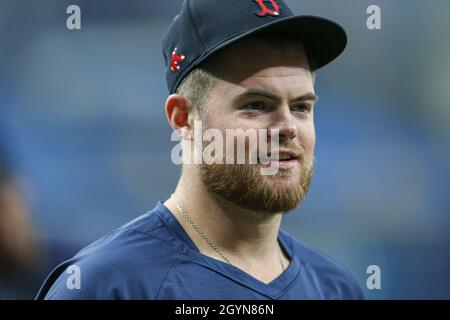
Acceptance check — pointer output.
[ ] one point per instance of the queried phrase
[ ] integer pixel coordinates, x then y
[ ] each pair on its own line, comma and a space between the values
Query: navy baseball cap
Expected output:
204, 27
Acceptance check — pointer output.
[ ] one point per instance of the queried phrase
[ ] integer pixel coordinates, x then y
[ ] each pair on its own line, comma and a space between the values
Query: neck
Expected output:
240, 233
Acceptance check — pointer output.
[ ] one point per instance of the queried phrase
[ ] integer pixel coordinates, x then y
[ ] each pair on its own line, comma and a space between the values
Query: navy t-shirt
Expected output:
152, 257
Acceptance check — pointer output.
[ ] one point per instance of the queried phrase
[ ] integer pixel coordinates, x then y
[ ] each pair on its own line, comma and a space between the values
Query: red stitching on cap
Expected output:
175, 61
265, 11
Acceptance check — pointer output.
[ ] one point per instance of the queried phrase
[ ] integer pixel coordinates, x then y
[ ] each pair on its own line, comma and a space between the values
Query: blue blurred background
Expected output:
83, 126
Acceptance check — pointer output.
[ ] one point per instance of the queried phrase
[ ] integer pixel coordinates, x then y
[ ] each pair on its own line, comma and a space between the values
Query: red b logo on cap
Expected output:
265, 11
175, 61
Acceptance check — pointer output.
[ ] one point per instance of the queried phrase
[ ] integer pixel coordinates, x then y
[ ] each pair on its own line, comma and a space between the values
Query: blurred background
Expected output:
85, 146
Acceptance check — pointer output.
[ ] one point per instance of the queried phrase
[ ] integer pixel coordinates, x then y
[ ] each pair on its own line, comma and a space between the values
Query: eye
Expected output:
301, 108
255, 106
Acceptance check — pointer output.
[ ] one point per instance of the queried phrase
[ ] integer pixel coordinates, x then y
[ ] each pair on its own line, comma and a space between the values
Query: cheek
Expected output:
307, 134
219, 119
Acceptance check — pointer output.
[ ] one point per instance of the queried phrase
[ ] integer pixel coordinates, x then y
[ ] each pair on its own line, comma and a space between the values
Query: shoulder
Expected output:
128, 263
333, 279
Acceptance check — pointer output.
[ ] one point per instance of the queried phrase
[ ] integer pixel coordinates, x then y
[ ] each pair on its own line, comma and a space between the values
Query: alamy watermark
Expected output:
232, 148
374, 20
374, 280
73, 22
74, 279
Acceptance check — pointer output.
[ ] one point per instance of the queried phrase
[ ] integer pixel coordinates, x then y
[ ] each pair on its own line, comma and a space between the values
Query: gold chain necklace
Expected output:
207, 240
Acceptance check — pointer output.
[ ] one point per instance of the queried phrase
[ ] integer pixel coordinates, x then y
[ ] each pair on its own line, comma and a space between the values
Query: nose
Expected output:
283, 121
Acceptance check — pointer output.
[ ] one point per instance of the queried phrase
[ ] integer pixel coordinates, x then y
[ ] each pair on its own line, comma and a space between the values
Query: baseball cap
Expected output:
203, 27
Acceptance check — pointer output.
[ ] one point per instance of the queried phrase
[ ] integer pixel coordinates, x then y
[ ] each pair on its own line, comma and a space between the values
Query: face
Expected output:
270, 87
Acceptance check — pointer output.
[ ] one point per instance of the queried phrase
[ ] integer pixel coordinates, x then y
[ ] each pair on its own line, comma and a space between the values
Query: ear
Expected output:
177, 113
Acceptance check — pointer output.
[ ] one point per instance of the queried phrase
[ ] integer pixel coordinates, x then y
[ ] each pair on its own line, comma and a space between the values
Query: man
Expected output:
242, 64
17, 244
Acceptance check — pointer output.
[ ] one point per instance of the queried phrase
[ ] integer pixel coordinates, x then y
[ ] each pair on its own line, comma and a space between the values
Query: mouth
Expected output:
283, 155
282, 158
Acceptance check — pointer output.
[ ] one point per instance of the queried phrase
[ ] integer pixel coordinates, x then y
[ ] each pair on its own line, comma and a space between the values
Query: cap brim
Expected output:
324, 39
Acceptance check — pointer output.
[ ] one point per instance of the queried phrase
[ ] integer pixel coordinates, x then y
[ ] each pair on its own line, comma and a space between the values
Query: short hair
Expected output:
195, 87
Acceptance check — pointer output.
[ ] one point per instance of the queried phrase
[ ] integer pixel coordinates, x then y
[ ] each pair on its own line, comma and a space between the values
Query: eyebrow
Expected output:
259, 92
